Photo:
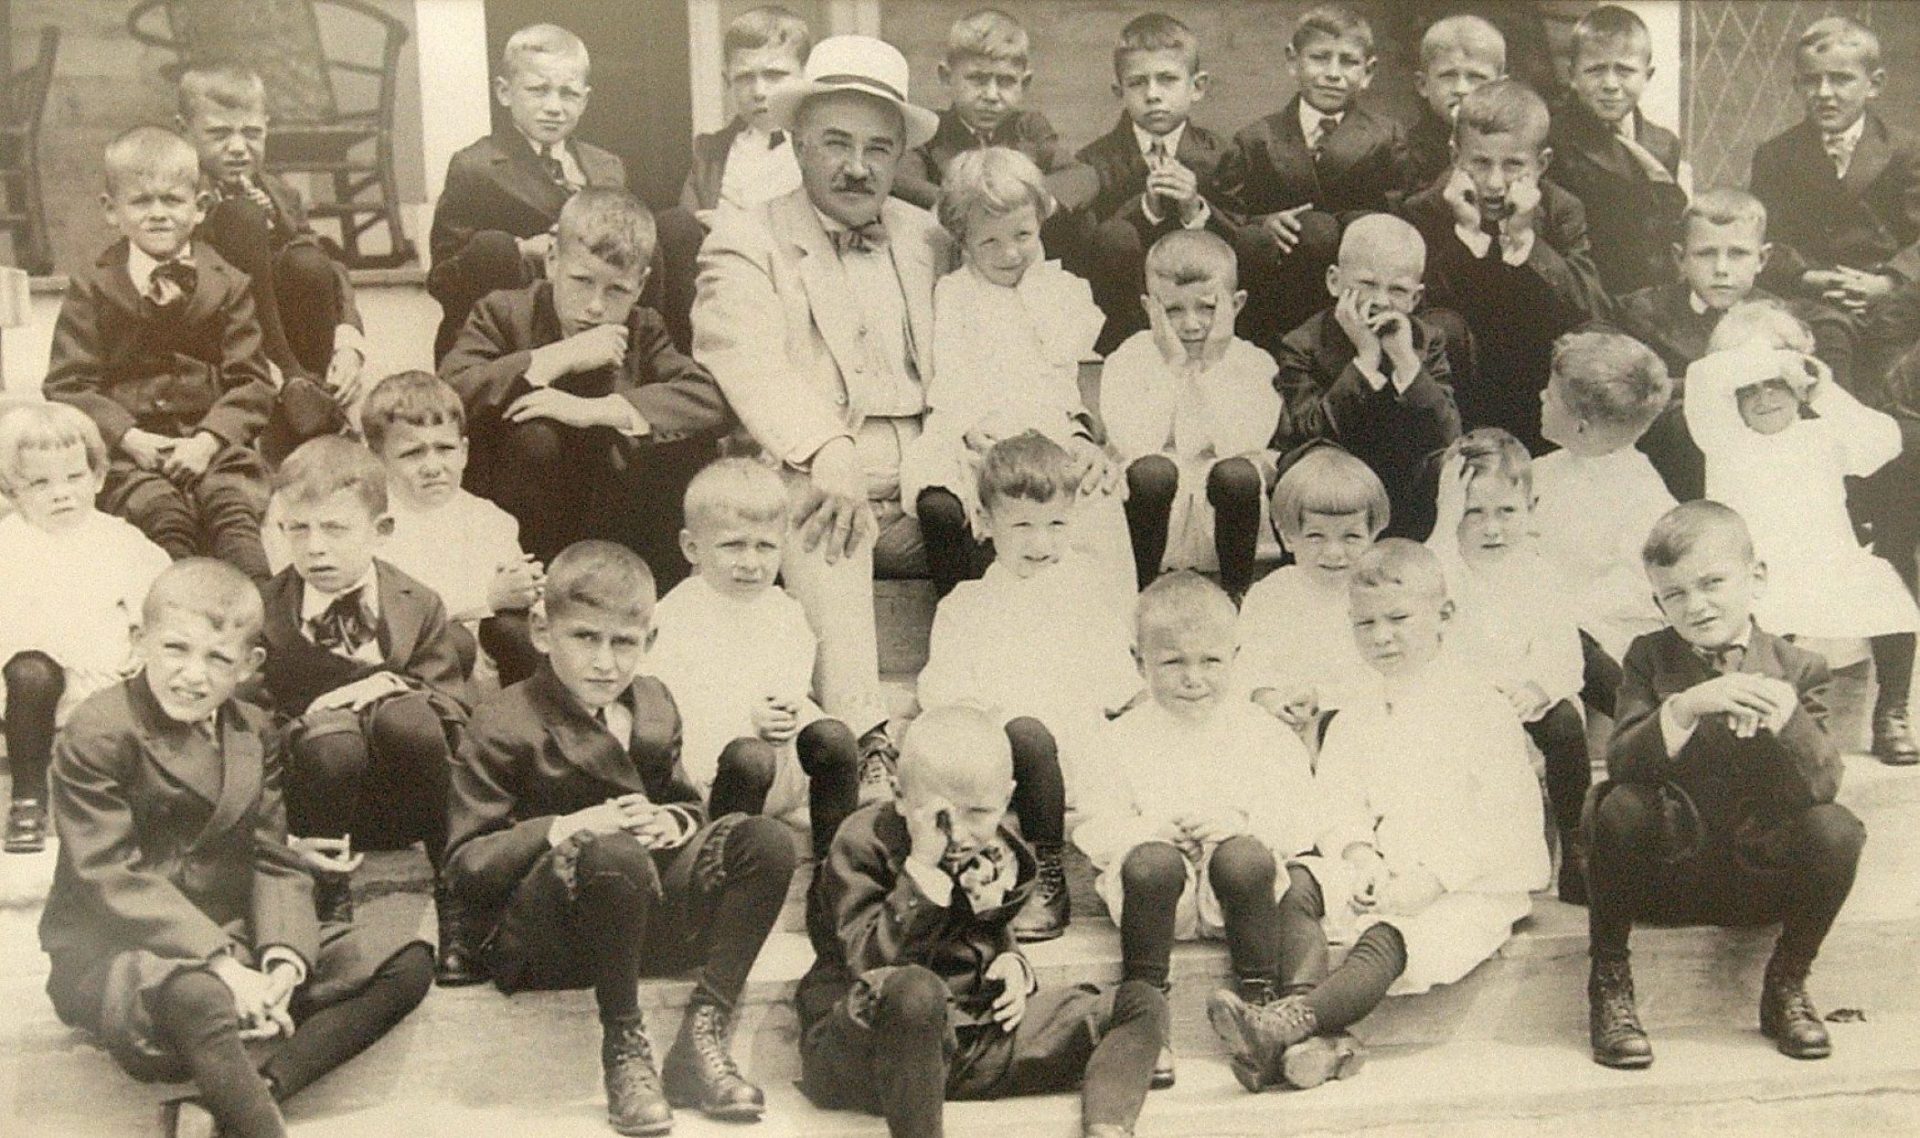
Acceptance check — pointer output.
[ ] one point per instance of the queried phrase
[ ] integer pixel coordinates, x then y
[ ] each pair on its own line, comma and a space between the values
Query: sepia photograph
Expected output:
993, 568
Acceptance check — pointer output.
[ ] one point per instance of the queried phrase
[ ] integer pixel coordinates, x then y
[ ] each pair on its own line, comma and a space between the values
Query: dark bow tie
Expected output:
860, 238
342, 627
172, 283
1724, 659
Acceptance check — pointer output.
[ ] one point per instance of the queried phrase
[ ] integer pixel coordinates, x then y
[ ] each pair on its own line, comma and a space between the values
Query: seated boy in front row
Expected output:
1719, 807
158, 343
737, 654
917, 993
578, 404
365, 673
181, 924
581, 856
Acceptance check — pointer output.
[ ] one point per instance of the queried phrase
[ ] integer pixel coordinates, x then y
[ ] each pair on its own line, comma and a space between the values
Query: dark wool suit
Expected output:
599, 909
378, 773
1110, 232
1397, 433
1429, 151
1816, 219
1270, 168
896, 1012
1729, 830
1514, 312
923, 169
1632, 220
497, 190
173, 847
562, 483
194, 366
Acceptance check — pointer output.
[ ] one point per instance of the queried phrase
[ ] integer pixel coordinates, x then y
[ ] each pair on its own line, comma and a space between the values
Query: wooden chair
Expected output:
23, 98
331, 105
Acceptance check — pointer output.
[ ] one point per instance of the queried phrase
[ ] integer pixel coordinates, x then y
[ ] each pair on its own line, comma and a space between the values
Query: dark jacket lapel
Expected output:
1870, 157
518, 172
176, 748
403, 613
579, 738
115, 282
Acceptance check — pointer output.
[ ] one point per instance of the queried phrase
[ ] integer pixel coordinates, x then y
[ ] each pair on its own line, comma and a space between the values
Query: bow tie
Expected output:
775, 138
860, 238
172, 282
343, 627
1724, 659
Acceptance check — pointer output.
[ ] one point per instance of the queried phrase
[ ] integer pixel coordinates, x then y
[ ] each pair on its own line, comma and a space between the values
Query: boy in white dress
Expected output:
1431, 800
1596, 498
1299, 661
1191, 408
737, 654
72, 581
1511, 622
1037, 644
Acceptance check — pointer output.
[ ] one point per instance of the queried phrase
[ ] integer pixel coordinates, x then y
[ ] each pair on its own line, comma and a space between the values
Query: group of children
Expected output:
519, 612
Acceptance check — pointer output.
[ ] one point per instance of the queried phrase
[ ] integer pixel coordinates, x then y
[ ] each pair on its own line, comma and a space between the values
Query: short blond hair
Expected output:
1769, 323
1609, 378
1328, 479
994, 180
1505, 106
1397, 563
550, 40
611, 224
1832, 32
46, 427
767, 26
1180, 599
212, 590
988, 33
735, 489
1191, 256
154, 151
1468, 34
228, 86
600, 575
320, 468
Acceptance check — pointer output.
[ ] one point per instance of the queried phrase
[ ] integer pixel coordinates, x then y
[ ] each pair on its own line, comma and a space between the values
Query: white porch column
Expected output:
455, 94
705, 37
853, 17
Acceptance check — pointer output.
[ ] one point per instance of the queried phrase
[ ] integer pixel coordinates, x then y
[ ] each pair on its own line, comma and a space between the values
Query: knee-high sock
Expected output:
195, 1011
335, 1034
1361, 982
34, 684
1121, 1067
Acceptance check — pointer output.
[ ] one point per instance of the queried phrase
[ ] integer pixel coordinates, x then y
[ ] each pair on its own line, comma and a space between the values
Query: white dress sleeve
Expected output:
1136, 398
1866, 439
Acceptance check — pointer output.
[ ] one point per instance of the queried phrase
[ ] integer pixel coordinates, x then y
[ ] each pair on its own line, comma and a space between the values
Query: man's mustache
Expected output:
849, 184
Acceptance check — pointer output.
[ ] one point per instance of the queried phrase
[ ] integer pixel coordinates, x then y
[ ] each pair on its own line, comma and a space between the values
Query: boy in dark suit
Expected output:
492, 226
579, 408
159, 344
1843, 186
180, 923
1509, 253
308, 320
1458, 54
918, 994
763, 50
1371, 375
1149, 175
1719, 807
1291, 178
1605, 152
364, 670
584, 859
986, 75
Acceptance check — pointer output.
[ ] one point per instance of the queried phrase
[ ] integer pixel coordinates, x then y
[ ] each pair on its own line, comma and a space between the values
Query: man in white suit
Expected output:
814, 313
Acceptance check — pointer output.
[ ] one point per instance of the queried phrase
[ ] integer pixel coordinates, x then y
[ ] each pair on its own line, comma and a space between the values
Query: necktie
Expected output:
343, 627
1321, 129
1839, 148
860, 238
172, 282
1491, 227
775, 138
1724, 659
1157, 154
549, 158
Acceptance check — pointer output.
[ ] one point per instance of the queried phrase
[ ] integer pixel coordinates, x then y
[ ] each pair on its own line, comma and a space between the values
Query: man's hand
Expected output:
1410, 892
516, 585
1211, 827
1010, 1006
1855, 289
1523, 206
1177, 187
535, 248
929, 827
327, 855
1360, 330
603, 345
1095, 471
1529, 702
1285, 226
1369, 871
569, 410
776, 719
146, 449
1748, 701
344, 374
1460, 198
835, 516
191, 457
254, 997
359, 693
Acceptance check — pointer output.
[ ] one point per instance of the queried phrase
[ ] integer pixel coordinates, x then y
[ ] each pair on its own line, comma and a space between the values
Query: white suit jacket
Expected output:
773, 321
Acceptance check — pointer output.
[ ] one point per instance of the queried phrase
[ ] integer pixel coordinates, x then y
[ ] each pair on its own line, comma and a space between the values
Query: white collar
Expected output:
1626, 127
1311, 117
1145, 139
1693, 301
313, 602
141, 264
1849, 137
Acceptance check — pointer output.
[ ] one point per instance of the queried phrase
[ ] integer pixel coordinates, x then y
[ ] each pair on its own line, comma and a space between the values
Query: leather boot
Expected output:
700, 1073
878, 760
1893, 737
1313, 1061
26, 826
333, 898
1046, 912
635, 1102
457, 966
1258, 1029
1613, 1025
1786, 1014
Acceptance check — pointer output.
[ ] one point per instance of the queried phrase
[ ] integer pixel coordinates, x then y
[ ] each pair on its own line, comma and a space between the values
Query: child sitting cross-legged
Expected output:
181, 923
582, 858
1049, 689
71, 583
1299, 660
737, 654
1191, 408
1781, 439
1511, 621
918, 993
1010, 330
1199, 804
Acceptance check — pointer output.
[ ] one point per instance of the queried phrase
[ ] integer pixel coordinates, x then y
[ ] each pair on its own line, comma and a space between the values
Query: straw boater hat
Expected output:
857, 63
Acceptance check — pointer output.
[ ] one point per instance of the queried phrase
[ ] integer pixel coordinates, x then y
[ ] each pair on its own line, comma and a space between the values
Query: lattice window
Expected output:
1740, 57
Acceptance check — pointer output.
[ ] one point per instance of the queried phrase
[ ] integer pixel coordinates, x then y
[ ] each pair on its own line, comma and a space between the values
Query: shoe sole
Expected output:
1312, 1062
1821, 1051
1624, 1062
1255, 1081
1897, 760
645, 1131
1040, 936
26, 847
